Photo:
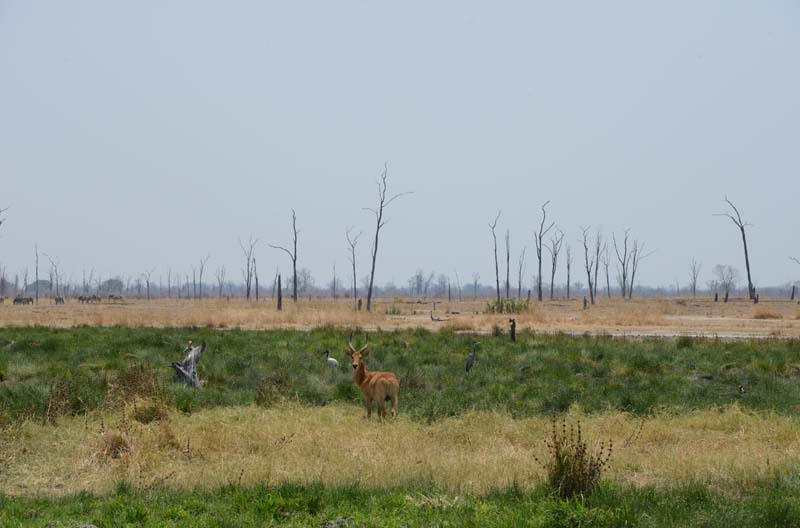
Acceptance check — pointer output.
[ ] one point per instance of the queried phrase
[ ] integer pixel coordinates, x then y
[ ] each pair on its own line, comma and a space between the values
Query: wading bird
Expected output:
471, 356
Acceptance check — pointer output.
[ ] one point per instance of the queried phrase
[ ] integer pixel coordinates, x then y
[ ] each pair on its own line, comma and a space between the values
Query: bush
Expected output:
571, 468
684, 342
508, 306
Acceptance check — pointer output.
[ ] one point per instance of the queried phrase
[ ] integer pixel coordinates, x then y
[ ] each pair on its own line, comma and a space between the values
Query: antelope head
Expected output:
357, 356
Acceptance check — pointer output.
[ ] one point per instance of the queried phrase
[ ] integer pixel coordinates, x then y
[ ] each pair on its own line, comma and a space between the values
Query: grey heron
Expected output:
471, 356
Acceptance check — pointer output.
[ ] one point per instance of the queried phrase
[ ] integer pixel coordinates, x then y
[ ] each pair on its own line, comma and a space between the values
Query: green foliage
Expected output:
71, 371
759, 504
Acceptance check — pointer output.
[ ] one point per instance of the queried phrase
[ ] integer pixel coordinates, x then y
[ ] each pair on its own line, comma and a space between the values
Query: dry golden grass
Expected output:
766, 313
334, 445
657, 317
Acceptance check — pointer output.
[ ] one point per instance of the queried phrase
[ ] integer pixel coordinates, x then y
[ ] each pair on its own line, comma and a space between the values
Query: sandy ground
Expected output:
667, 317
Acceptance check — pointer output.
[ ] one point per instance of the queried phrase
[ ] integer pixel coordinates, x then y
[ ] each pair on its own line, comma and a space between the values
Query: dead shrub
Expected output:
766, 313
112, 445
571, 468
149, 411
135, 382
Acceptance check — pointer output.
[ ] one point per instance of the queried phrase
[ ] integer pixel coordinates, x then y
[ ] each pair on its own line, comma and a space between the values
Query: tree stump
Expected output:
513, 332
186, 371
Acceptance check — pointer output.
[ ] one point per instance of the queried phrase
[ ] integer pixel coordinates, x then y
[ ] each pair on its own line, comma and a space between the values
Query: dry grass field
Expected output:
724, 448
638, 317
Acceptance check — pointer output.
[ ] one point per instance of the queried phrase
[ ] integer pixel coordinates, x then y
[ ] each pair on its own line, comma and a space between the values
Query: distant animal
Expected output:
376, 386
741, 390
331, 361
59, 300
513, 334
437, 319
471, 356
23, 300
113, 297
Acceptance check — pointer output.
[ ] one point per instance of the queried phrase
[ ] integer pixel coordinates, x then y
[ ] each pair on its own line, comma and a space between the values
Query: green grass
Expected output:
70, 371
771, 504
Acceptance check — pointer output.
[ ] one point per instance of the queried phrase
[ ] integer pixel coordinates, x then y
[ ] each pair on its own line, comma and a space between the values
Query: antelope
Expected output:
378, 386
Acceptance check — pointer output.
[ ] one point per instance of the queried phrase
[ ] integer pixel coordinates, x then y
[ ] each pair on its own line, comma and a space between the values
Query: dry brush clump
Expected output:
763, 312
571, 467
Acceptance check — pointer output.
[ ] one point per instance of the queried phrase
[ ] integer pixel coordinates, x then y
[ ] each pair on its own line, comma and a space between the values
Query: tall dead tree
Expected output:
220, 274
606, 261
492, 226
508, 264
255, 276
624, 259
36, 249
556, 241
598, 241
247, 271
292, 255
383, 202
737, 220
352, 241
475, 278
589, 264
202, 268
694, 268
637, 255
569, 267
146, 276
521, 272
54, 277
538, 237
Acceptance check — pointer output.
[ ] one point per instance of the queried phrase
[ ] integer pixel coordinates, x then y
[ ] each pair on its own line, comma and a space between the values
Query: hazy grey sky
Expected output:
147, 134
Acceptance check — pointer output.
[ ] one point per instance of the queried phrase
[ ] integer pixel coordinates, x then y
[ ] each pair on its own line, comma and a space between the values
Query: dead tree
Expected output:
280, 294
146, 276
475, 278
255, 276
556, 241
694, 269
383, 203
521, 272
186, 370
589, 264
569, 267
624, 259
220, 280
508, 264
737, 220
53, 274
36, 249
637, 255
606, 261
538, 238
292, 255
492, 226
598, 241
202, 268
247, 272
352, 241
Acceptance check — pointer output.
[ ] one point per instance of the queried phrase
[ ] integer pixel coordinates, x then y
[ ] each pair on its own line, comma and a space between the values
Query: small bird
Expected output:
471, 356
741, 390
331, 361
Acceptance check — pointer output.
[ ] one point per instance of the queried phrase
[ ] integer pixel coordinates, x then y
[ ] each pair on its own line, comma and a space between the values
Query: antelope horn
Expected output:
366, 343
350, 343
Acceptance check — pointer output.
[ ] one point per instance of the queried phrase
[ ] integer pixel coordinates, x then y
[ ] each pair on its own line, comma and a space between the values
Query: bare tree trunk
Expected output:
569, 267
520, 272
292, 255
695, 272
352, 243
492, 226
203, 263
280, 294
36, 249
383, 203
624, 262
538, 236
554, 248
255, 275
508, 264
247, 272
737, 220
597, 244
588, 264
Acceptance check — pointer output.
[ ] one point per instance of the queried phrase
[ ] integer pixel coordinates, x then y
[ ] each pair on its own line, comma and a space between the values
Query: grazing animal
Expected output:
331, 361
378, 386
471, 356
59, 300
23, 300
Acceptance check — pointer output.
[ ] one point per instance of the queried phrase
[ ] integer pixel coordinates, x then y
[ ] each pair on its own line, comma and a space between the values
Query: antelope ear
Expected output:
349, 353
365, 352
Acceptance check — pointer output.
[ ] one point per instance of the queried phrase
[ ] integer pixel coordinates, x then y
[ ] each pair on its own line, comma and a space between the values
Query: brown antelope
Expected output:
378, 386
